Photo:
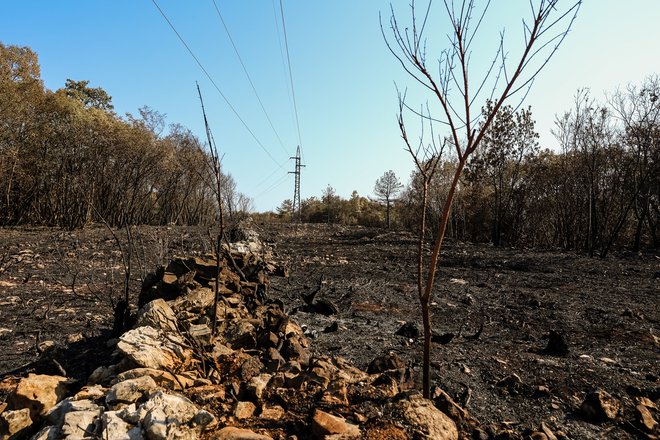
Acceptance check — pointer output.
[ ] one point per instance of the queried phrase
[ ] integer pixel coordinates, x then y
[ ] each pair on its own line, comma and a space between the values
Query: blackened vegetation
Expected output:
548, 327
504, 378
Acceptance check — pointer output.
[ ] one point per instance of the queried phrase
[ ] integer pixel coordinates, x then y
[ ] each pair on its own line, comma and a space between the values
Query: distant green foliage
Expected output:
88, 96
331, 208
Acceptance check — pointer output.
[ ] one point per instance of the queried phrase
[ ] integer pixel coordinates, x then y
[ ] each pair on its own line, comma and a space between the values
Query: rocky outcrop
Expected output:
325, 425
14, 423
158, 314
233, 433
428, 421
38, 393
599, 405
149, 347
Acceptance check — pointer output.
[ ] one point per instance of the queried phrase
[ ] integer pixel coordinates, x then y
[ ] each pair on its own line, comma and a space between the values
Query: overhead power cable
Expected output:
280, 45
265, 179
277, 183
288, 59
254, 89
215, 85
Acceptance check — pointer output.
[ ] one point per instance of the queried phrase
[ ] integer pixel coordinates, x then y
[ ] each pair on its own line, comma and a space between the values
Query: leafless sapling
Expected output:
453, 88
213, 162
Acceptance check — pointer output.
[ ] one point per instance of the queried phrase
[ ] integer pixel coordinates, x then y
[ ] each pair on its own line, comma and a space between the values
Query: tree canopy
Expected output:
67, 159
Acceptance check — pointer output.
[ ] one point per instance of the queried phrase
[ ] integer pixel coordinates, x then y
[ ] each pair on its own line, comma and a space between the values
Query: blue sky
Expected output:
343, 74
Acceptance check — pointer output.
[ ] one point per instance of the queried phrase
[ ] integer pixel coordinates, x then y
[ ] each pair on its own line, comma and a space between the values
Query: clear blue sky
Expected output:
343, 74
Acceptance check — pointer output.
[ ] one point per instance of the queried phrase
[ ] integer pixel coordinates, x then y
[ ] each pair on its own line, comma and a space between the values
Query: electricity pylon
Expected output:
296, 192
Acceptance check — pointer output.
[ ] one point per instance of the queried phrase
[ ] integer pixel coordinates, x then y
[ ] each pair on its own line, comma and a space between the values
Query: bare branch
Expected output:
488, 73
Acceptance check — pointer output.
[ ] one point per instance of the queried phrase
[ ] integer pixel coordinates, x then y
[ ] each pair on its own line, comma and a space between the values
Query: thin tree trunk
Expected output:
638, 229
433, 265
387, 213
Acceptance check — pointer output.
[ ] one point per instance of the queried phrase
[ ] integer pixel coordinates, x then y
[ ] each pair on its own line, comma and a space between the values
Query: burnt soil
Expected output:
493, 311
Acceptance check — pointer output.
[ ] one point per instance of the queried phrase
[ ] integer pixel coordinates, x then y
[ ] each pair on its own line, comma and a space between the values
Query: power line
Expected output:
254, 89
273, 186
214, 84
267, 178
280, 46
288, 58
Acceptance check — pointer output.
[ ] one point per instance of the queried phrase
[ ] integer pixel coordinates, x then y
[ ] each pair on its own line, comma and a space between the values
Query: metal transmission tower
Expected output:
296, 191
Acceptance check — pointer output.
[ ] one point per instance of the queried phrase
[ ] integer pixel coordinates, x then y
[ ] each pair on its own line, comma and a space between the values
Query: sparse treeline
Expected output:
599, 191
66, 158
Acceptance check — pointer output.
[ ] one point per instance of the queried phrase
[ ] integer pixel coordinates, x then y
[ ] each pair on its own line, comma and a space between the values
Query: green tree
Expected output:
386, 188
94, 97
313, 210
331, 202
498, 165
285, 210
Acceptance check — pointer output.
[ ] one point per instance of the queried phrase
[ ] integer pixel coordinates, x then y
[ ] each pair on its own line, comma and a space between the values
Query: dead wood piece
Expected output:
309, 297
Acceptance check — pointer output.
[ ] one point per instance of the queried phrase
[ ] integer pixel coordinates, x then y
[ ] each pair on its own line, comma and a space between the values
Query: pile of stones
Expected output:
247, 373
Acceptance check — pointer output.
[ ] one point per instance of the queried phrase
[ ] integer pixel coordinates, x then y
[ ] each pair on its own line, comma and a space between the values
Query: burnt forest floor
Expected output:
493, 309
